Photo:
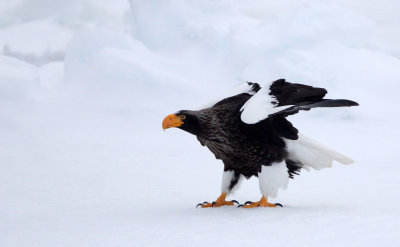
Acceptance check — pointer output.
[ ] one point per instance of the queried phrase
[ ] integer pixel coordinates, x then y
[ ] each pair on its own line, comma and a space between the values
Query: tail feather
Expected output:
310, 153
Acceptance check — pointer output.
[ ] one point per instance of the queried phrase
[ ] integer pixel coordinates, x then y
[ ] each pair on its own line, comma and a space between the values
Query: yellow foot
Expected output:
262, 203
218, 203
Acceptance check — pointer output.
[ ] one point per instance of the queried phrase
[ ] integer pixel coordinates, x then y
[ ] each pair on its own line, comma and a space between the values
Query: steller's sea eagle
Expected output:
249, 132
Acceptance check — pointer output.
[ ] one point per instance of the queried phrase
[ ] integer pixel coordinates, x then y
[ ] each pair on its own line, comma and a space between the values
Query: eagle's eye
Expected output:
182, 117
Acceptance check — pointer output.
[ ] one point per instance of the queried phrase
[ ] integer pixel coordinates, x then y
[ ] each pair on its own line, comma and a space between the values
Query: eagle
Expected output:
249, 132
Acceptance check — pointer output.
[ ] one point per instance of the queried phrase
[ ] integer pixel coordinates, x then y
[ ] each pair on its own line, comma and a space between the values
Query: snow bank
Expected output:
17, 79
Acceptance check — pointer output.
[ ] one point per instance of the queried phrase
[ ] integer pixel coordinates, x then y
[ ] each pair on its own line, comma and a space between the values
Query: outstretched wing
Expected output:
285, 98
246, 87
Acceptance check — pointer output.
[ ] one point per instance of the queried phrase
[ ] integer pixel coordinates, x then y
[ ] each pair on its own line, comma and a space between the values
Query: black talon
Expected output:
201, 204
213, 203
234, 201
240, 205
258, 205
248, 202
278, 204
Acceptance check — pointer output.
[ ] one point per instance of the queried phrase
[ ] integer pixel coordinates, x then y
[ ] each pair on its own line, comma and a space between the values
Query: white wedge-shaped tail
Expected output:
311, 153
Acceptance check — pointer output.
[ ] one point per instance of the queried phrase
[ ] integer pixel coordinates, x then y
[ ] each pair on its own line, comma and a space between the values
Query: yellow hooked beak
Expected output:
171, 121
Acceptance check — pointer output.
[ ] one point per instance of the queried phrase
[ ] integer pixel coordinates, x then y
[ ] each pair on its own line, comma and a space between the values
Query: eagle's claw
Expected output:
262, 203
246, 203
201, 204
234, 201
217, 203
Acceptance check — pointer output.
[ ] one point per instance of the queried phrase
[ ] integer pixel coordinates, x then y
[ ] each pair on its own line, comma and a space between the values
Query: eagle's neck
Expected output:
211, 126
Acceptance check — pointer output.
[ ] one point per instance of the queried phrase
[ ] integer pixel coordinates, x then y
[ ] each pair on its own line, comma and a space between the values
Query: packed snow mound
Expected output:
26, 41
38, 31
17, 78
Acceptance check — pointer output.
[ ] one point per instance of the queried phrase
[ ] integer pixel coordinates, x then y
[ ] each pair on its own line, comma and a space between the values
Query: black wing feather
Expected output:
323, 103
284, 128
302, 97
292, 93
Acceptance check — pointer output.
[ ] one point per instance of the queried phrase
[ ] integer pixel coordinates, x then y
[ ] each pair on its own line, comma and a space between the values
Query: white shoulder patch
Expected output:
241, 88
260, 106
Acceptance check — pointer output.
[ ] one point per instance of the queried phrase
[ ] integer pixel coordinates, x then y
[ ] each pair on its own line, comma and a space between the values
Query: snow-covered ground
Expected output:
85, 84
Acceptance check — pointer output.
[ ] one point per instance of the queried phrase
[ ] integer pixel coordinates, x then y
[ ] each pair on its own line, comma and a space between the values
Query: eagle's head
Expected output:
185, 120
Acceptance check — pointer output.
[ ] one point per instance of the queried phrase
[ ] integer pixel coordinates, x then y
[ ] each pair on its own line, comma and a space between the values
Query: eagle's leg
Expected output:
271, 178
229, 180
263, 202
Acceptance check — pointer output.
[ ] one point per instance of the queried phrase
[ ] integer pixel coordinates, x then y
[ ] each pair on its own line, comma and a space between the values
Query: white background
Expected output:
85, 84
